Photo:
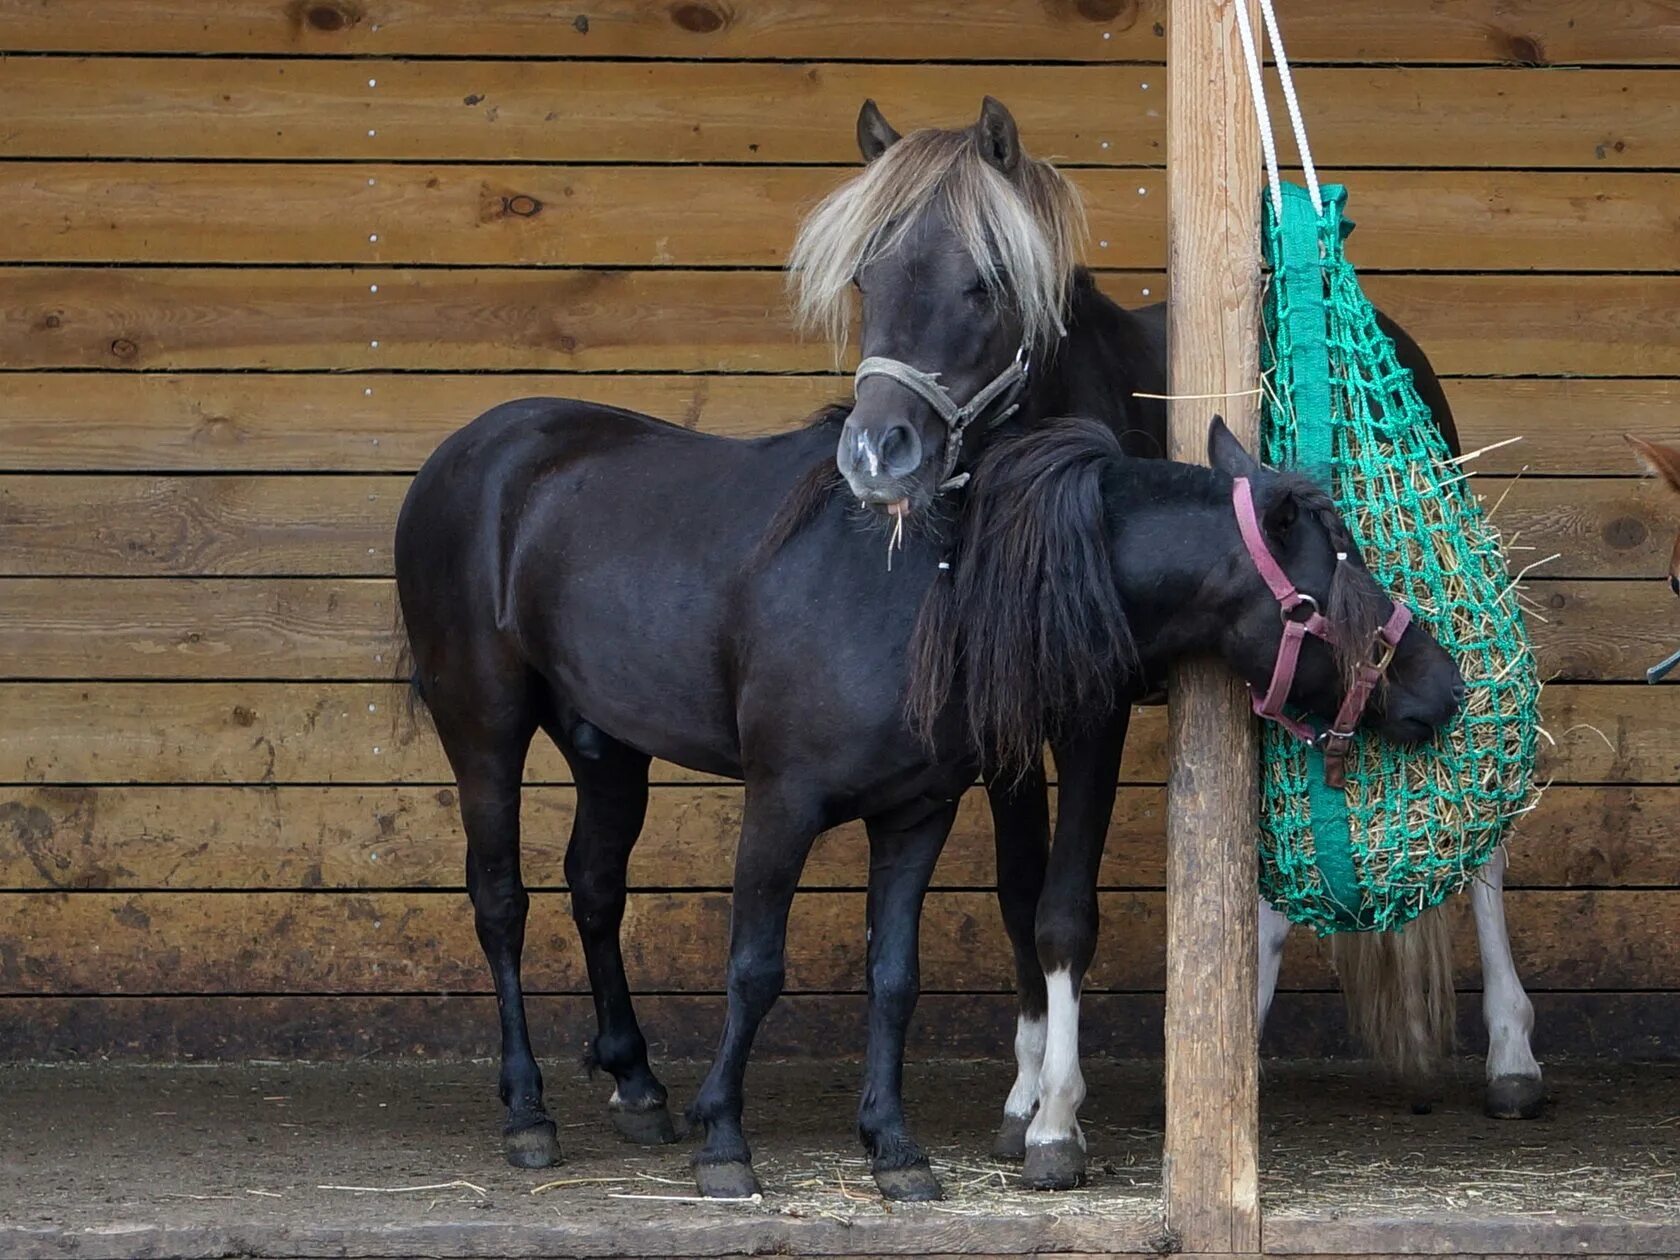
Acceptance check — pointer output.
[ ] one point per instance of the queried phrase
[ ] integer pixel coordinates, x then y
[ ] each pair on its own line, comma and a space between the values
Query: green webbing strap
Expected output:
1298, 268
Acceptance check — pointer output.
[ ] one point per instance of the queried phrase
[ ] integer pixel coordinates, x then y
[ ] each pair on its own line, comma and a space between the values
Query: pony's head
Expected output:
1078, 575
1664, 461
1420, 685
962, 249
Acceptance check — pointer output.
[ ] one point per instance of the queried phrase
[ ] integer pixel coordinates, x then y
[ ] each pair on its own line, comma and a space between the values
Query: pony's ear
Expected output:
1000, 142
1662, 460
875, 135
1226, 453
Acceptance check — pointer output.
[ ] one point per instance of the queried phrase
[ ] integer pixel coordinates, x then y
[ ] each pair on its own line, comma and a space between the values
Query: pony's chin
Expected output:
1405, 730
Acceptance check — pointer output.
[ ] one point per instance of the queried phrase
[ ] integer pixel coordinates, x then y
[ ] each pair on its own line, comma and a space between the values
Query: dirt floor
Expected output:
402, 1159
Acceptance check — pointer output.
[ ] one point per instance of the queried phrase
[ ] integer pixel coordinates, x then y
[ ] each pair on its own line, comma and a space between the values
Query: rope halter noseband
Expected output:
1301, 617
995, 402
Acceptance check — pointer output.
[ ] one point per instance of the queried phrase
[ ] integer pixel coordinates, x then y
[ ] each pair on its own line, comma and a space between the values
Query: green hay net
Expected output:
1414, 824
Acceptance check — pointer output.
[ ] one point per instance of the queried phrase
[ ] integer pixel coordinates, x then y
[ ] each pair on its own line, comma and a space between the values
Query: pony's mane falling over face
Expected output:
1024, 230
1027, 633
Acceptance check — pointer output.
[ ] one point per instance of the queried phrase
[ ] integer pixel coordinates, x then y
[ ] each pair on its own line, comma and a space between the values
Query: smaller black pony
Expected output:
634, 590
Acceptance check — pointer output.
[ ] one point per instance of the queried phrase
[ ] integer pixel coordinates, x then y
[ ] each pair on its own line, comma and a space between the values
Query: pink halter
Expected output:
1336, 742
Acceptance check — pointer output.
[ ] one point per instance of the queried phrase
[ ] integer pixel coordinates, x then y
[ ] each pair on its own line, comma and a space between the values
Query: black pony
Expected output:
637, 590
960, 251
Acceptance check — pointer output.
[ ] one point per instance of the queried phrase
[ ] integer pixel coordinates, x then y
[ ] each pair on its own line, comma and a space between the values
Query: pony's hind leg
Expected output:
1274, 931
1021, 835
1515, 1090
902, 853
612, 795
488, 764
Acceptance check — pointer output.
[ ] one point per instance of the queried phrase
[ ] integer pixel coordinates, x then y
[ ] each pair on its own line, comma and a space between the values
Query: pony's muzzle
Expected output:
878, 461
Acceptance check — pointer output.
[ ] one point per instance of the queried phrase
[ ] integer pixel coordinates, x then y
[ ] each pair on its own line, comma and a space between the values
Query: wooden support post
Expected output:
1213, 183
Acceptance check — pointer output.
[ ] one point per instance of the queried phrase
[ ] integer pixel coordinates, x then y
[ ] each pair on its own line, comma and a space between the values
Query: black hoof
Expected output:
1423, 1106
1514, 1097
913, 1184
532, 1145
1058, 1165
726, 1181
1011, 1140
645, 1126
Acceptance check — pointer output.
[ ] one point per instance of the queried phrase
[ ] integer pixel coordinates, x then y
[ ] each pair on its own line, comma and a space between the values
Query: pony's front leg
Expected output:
902, 854
1021, 834
776, 837
1515, 1090
1067, 940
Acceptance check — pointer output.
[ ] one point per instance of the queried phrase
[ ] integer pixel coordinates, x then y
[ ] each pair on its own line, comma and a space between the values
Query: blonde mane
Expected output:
1025, 231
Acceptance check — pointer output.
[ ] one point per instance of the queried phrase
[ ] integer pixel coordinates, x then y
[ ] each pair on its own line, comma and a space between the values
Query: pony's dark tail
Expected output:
1028, 624
405, 672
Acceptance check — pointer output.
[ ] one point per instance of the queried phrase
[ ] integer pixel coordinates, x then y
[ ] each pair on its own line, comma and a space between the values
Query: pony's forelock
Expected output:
1025, 233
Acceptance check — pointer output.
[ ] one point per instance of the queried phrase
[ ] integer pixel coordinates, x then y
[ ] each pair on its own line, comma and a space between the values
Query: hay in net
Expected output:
1418, 822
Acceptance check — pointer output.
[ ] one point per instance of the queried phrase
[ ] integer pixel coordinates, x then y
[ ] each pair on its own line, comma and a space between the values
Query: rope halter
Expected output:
1301, 617
995, 402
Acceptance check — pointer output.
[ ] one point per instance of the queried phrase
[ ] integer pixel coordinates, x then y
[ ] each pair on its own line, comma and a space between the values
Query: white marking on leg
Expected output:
1061, 1087
1505, 1007
1274, 930
1029, 1061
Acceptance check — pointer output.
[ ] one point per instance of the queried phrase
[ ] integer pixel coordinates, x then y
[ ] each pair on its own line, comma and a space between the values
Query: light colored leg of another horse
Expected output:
1029, 1063
1274, 930
1061, 1085
1514, 1087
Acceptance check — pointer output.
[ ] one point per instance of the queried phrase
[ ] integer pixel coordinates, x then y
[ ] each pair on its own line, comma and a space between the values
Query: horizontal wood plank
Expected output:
286, 838
677, 942
681, 1026
389, 423
398, 837
697, 111
706, 321
152, 526
1546, 31
340, 628
348, 733
661, 216
364, 423
206, 628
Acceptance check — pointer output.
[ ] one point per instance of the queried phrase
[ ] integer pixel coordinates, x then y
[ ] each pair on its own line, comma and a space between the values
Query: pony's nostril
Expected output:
901, 450
1459, 691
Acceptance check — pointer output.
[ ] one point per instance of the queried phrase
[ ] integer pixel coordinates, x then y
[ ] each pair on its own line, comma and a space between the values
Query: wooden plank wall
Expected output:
260, 256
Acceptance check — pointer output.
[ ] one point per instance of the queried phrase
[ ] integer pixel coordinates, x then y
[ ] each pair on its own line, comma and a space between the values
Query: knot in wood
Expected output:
522, 205
1123, 11
124, 349
330, 17
700, 19
1625, 532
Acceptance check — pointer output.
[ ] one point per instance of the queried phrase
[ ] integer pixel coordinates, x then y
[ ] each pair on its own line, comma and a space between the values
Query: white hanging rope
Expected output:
1257, 89
1288, 82
1256, 83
